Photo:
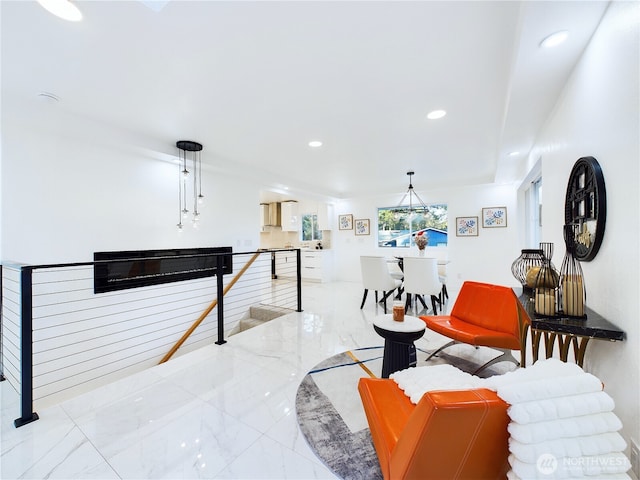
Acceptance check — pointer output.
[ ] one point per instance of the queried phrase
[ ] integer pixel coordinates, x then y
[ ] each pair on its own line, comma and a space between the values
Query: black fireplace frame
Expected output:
123, 270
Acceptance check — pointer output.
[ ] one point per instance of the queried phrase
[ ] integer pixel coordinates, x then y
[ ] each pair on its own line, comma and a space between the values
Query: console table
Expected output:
569, 332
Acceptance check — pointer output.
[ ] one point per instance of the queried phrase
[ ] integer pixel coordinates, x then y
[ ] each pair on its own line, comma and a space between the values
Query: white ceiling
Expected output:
254, 82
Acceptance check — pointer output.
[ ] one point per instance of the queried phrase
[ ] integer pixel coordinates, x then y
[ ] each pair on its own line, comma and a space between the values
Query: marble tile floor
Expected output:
223, 412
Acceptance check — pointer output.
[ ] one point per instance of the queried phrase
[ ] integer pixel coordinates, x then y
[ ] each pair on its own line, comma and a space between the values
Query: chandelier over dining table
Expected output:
189, 178
411, 193
415, 204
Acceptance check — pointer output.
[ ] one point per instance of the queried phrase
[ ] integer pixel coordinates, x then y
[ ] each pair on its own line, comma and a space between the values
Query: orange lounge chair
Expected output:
485, 315
447, 435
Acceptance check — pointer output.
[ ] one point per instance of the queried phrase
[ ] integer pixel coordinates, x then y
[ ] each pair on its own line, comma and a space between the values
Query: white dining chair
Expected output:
421, 278
394, 268
376, 277
442, 254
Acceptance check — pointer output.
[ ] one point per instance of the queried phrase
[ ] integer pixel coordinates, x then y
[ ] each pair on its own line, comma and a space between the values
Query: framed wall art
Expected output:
362, 226
345, 222
494, 217
466, 226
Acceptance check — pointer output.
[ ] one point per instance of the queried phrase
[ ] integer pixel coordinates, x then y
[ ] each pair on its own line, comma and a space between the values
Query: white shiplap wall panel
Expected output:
114, 315
62, 324
88, 362
117, 343
155, 318
11, 325
11, 292
84, 299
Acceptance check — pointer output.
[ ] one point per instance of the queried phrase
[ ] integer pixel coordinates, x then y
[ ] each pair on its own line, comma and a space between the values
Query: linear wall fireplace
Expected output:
141, 268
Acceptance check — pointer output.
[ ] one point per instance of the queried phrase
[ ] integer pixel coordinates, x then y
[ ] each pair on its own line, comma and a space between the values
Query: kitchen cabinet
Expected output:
289, 216
317, 265
264, 217
325, 216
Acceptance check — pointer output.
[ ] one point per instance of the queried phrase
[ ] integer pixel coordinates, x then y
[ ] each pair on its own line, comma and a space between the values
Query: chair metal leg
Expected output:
364, 297
421, 299
452, 342
434, 299
399, 295
506, 356
442, 295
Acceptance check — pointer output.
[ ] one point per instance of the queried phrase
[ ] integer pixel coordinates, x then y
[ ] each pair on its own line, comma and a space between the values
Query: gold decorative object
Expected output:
545, 301
572, 296
546, 283
542, 277
572, 289
528, 259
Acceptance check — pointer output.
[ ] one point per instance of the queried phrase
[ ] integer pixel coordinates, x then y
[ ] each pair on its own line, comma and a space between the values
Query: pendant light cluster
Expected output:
189, 175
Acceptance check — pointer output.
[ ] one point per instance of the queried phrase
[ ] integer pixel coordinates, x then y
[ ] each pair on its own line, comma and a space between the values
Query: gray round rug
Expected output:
330, 413
331, 417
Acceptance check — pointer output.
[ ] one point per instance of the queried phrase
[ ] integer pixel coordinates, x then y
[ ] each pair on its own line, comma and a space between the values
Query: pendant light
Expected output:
414, 200
190, 165
411, 193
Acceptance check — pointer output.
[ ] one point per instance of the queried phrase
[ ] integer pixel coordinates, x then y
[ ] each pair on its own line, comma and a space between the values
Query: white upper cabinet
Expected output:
264, 217
325, 216
290, 216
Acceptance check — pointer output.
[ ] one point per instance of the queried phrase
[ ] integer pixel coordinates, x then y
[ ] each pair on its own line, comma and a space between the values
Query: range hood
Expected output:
271, 215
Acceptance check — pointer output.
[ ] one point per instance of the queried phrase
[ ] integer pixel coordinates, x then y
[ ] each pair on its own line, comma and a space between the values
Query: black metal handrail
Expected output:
27, 414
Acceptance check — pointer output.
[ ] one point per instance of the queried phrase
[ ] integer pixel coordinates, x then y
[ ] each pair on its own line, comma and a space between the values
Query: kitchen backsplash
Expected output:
276, 238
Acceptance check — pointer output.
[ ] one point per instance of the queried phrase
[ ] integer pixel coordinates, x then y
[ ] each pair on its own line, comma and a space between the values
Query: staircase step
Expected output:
259, 314
267, 312
247, 323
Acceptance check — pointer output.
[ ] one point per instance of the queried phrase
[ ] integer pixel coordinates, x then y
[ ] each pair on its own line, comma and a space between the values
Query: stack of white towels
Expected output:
562, 422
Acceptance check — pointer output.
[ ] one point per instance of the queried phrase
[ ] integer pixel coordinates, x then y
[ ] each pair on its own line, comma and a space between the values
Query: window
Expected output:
533, 206
310, 230
397, 226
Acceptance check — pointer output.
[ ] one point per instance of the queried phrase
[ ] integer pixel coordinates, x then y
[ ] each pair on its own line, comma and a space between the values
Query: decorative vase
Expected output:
546, 283
572, 289
421, 252
521, 266
547, 252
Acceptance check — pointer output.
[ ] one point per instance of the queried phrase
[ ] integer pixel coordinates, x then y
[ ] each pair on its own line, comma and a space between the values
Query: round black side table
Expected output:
399, 350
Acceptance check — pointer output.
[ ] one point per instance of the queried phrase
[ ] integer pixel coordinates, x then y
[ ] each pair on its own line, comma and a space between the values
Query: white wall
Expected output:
486, 258
67, 192
598, 116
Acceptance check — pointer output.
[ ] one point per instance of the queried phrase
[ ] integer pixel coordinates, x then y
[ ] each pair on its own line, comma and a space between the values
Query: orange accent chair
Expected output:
485, 315
447, 435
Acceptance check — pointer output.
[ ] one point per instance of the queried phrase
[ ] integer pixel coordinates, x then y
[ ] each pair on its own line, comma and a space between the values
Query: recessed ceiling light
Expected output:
315, 143
513, 154
436, 114
63, 9
554, 39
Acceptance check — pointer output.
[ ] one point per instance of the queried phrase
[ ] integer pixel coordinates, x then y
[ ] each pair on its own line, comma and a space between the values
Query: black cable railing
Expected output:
60, 338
